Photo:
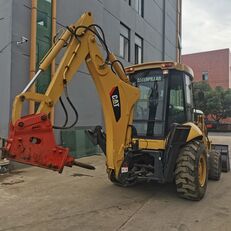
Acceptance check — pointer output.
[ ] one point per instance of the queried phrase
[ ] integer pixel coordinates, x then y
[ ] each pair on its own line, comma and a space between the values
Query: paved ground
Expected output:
36, 199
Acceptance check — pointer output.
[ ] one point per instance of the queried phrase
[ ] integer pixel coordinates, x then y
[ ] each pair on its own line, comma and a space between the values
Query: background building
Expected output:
136, 31
212, 66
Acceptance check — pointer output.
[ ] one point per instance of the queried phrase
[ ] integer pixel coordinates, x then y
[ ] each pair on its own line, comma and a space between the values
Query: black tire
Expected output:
225, 163
187, 178
214, 165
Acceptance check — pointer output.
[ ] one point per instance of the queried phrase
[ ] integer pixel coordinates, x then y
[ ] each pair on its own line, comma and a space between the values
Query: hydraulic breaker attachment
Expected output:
83, 165
31, 141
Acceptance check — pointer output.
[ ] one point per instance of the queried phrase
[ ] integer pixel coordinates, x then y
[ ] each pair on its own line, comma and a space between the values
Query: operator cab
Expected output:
165, 97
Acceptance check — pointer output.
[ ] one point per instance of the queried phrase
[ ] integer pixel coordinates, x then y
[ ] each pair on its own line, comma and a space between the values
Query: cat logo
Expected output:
115, 100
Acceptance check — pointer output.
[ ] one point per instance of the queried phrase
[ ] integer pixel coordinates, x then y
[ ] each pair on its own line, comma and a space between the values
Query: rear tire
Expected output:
191, 173
214, 165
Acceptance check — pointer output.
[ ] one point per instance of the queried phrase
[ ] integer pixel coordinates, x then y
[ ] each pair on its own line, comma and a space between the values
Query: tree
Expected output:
201, 92
219, 103
215, 102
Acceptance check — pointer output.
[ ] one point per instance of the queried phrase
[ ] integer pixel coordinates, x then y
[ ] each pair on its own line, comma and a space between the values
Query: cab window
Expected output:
176, 107
149, 109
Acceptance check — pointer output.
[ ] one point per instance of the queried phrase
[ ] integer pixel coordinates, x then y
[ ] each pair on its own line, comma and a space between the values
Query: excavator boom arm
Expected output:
116, 94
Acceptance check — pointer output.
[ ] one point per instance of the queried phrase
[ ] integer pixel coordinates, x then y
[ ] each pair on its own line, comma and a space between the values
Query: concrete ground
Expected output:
37, 199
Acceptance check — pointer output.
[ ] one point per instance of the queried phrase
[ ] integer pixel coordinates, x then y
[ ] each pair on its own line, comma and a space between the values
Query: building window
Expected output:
138, 49
205, 75
139, 7
128, 1
124, 42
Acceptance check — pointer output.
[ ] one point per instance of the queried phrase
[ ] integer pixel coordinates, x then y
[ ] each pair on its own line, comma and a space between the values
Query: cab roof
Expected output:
164, 65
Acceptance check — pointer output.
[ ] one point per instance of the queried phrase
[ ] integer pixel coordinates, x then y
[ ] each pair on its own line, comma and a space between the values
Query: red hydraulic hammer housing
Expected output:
31, 141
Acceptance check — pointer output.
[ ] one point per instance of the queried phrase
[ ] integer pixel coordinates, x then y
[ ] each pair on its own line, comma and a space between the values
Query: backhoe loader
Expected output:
150, 133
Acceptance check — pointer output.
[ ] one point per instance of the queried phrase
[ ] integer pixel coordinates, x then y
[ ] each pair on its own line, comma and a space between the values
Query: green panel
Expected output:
44, 25
78, 142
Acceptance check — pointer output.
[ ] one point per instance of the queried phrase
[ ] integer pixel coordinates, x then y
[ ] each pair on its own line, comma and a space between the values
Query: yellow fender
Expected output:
195, 132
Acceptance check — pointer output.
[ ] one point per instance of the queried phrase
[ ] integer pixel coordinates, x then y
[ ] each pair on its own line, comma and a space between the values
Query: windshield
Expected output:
148, 113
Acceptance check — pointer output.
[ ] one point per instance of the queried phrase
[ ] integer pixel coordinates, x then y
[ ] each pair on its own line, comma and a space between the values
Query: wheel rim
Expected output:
202, 170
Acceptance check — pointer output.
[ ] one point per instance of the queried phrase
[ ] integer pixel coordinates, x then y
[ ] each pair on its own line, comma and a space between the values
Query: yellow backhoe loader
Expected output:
150, 133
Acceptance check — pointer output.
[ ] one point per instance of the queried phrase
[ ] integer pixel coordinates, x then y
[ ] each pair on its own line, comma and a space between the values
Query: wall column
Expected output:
33, 48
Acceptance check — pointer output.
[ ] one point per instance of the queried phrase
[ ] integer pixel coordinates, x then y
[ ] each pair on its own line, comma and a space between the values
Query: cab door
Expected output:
180, 103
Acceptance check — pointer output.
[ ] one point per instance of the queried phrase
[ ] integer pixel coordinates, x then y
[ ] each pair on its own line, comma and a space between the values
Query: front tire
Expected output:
191, 173
214, 165
225, 163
